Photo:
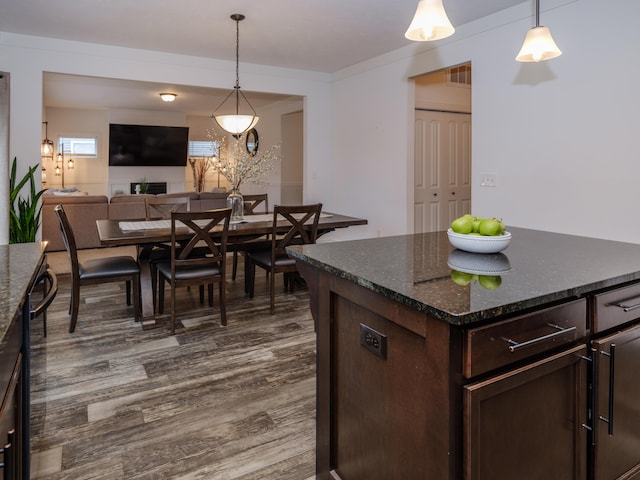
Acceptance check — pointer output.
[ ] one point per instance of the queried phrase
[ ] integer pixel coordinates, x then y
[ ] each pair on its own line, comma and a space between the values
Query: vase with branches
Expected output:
238, 166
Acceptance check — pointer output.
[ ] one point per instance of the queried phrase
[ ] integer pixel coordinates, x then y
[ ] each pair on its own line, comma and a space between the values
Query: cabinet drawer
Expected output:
616, 307
499, 344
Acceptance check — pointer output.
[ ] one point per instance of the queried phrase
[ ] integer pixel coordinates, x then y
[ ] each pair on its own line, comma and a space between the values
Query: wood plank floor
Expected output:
112, 401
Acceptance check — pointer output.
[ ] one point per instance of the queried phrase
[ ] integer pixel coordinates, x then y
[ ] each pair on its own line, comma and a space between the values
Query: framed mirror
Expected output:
252, 142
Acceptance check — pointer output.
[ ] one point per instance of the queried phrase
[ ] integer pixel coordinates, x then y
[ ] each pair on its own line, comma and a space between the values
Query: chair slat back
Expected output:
303, 220
161, 208
68, 238
251, 202
201, 224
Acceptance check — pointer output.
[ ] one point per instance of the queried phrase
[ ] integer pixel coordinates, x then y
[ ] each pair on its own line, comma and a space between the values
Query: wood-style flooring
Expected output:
113, 401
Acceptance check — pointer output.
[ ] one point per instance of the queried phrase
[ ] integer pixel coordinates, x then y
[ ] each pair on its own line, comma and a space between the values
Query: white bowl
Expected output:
479, 264
479, 243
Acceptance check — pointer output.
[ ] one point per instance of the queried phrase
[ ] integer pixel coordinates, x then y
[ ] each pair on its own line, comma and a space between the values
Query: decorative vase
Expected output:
235, 201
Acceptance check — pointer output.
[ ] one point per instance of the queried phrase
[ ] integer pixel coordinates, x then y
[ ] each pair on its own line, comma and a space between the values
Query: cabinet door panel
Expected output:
617, 455
527, 423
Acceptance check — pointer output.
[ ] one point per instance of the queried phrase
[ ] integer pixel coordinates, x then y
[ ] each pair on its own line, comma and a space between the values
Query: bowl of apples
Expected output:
478, 235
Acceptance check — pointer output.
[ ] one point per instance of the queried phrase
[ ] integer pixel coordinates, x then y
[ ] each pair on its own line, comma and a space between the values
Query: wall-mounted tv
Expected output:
147, 146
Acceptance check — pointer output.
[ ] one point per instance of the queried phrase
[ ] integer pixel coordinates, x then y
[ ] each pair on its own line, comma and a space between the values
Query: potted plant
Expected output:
24, 213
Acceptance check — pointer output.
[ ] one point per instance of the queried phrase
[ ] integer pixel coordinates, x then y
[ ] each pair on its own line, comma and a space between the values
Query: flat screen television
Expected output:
147, 146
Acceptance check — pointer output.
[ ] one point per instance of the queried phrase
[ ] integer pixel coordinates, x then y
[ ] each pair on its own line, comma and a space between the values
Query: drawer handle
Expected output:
513, 345
625, 307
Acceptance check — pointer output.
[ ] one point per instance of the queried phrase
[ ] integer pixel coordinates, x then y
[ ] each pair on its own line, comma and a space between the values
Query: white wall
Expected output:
561, 136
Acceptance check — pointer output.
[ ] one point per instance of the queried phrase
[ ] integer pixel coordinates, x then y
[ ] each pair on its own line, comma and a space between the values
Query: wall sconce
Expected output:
46, 147
538, 44
429, 23
168, 97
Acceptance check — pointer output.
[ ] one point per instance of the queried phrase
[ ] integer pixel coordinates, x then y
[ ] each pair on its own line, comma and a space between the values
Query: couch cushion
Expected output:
82, 217
210, 201
128, 207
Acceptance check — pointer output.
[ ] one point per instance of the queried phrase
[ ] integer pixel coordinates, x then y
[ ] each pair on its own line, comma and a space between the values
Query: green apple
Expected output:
476, 224
461, 278
462, 224
491, 227
490, 282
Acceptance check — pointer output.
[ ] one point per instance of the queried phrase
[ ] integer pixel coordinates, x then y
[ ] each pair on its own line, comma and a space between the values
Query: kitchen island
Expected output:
19, 267
439, 364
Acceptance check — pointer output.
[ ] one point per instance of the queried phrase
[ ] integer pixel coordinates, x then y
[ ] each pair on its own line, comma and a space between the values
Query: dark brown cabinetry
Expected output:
615, 436
507, 399
24, 262
531, 413
422, 378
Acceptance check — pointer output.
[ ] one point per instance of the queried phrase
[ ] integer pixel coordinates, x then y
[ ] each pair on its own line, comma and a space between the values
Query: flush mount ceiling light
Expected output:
430, 22
168, 97
538, 44
46, 148
236, 123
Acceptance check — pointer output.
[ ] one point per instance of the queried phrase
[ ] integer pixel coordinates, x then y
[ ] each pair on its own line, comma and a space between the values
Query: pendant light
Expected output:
46, 148
538, 44
430, 22
236, 123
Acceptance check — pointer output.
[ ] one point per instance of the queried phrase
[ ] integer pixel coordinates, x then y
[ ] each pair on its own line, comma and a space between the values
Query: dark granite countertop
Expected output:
18, 263
537, 268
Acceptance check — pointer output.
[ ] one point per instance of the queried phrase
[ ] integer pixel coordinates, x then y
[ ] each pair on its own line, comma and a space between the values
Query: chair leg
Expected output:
136, 299
223, 302
160, 294
252, 279
234, 268
173, 309
201, 289
272, 291
247, 273
75, 305
210, 293
128, 288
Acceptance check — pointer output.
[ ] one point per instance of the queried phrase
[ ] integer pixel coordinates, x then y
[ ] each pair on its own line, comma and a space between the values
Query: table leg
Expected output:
146, 288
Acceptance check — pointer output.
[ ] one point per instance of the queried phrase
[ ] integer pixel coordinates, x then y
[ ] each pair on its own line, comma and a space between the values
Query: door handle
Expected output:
612, 362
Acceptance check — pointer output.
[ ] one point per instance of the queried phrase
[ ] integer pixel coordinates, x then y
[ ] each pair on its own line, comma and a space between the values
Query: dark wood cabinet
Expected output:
527, 423
12, 405
26, 262
507, 399
422, 378
616, 404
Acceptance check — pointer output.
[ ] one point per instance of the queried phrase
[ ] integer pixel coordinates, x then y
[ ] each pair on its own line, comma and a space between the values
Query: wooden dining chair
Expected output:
96, 271
188, 266
161, 207
251, 204
303, 229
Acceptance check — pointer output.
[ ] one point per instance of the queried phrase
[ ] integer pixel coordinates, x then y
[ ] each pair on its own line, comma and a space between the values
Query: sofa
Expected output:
84, 210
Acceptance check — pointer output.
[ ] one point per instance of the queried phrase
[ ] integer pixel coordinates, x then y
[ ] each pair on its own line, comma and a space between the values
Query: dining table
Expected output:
144, 234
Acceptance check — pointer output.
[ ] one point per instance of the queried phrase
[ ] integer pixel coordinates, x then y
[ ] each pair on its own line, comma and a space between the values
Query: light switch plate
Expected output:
488, 180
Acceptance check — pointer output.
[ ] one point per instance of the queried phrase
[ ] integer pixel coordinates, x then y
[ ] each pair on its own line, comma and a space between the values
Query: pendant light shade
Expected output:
430, 22
236, 123
538, 44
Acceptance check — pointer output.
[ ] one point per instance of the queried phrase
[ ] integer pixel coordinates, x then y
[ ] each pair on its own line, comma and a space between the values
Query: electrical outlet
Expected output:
488, 180
373, 341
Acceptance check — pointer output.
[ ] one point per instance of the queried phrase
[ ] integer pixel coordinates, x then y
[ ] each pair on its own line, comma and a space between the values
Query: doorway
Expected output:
442, 149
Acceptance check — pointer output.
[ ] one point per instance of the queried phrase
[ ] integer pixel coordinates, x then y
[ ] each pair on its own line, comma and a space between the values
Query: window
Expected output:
200, 148
460, 75
86, 147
